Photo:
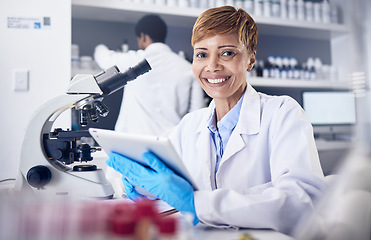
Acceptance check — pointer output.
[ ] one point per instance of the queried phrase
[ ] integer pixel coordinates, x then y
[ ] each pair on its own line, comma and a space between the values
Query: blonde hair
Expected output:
226, 20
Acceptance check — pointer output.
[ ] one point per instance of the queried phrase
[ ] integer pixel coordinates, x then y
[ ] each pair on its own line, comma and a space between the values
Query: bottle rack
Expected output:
119, 10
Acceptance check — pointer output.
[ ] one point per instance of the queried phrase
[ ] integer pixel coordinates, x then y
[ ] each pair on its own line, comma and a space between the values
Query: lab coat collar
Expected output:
249, 120
248, 124
207, 117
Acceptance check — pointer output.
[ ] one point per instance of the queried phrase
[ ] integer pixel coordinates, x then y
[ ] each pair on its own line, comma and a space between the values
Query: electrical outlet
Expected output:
21, 80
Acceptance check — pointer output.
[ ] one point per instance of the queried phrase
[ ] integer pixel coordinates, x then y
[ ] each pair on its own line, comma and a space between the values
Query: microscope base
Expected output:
90, 184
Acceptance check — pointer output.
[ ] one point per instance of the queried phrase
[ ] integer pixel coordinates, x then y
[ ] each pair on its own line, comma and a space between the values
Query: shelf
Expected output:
120, 11
300, 29
261, 82
305, 84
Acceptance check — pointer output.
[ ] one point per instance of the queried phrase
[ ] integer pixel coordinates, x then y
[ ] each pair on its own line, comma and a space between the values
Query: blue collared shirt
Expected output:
222, 130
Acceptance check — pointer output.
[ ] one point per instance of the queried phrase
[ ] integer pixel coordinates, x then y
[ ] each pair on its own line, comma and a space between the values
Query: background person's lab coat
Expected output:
157, 100
270, 172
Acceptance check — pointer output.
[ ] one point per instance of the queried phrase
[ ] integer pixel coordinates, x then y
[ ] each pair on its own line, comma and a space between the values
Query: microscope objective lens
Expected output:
101, 108
93, 115
83, 118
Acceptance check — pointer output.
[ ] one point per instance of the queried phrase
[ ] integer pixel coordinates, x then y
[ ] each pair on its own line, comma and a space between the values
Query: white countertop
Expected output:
202, 233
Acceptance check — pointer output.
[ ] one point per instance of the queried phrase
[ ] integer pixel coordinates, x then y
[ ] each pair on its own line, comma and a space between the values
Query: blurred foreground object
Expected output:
55, 218
345, 212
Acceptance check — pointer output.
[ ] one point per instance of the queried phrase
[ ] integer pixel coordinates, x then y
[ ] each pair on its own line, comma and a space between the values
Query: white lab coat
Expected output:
269, 175
157, 100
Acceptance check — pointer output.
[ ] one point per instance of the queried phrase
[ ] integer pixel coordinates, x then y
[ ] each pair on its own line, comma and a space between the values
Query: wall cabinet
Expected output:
292, 32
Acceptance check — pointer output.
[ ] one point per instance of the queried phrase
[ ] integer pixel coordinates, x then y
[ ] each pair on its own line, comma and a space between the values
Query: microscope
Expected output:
45, 154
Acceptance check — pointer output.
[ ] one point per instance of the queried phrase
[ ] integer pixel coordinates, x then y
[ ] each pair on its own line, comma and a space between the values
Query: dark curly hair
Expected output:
153, 26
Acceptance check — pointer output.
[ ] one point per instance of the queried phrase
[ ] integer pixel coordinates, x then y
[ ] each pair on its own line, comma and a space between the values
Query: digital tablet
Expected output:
134, 145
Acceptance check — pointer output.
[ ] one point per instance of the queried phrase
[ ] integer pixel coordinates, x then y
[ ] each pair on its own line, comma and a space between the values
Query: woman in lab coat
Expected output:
253, 156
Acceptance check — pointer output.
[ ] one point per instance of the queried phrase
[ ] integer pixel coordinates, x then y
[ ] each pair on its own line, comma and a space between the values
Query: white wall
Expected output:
46, 54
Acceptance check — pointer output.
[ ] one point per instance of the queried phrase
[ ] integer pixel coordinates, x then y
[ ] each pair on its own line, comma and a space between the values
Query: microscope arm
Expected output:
41, 123
43, 119
58, 178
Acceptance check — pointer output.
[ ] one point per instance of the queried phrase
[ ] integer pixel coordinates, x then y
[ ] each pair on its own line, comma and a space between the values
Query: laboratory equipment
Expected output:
45, 155
332, 113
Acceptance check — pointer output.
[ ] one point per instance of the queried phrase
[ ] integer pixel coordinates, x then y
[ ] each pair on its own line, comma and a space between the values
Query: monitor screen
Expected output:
330, 108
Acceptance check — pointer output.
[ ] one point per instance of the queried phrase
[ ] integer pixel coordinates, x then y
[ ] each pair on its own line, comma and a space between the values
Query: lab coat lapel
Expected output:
235, 144
204, 147
248, 123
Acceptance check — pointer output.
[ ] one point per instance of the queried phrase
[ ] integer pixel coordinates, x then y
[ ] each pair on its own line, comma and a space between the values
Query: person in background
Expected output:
157, 100
252, 156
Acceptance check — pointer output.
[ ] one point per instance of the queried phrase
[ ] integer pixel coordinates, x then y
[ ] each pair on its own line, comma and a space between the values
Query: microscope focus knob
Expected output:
39, 176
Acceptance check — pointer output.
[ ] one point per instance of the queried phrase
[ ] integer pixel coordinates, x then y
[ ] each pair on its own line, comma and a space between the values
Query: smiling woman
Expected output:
220, 64
239, 150
224, 45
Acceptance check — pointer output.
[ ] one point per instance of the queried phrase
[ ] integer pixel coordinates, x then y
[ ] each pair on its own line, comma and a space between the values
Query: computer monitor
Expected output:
330, 111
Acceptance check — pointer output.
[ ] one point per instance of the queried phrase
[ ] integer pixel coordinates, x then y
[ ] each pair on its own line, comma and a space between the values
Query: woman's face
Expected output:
220, 64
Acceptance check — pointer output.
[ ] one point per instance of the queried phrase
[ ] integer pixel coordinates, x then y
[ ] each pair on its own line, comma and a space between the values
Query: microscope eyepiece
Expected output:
141, 68
109, 81
113, 80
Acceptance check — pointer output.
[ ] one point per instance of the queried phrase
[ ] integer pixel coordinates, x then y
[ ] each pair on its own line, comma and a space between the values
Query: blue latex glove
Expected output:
159, 180
131, 193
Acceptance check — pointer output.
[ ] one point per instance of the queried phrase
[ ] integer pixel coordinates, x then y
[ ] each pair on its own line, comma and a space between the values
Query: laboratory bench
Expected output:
207, 233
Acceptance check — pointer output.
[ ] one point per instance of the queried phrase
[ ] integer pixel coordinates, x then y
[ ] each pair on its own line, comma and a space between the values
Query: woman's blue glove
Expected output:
131, 193
159, 180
